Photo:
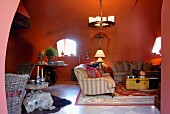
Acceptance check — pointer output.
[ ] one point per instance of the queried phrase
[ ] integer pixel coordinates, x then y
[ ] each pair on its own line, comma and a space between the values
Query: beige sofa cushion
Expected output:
126, 65
147, 66
120, 66
133, 66
140, 63
136, 65
114, 69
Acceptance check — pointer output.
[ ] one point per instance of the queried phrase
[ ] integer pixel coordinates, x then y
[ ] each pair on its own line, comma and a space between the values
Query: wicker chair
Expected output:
15, 91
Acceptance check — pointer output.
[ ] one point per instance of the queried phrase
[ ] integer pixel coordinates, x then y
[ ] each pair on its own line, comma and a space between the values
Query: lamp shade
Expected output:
99, 53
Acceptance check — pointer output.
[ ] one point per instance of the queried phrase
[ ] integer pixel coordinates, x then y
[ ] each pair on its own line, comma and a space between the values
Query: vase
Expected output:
50, 59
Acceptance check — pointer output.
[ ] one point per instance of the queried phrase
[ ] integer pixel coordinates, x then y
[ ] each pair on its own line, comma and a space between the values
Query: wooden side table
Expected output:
105, 70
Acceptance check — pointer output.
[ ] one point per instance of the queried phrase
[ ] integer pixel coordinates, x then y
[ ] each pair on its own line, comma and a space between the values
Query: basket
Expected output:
15, 91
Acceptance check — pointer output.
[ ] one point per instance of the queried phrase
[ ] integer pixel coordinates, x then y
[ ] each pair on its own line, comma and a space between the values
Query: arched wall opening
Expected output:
7, 11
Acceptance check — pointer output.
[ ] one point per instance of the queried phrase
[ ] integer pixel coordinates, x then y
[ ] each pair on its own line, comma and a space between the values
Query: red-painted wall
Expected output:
7, 5
165, 85
131, 39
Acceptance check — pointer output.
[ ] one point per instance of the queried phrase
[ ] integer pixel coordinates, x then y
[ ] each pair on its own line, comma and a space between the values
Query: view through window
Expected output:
66, 47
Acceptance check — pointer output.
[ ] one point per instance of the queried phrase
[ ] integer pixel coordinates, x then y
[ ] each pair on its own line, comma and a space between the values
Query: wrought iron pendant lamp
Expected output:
101, 22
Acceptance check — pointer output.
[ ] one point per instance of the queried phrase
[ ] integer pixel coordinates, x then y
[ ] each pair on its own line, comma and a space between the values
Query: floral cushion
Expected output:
93, 72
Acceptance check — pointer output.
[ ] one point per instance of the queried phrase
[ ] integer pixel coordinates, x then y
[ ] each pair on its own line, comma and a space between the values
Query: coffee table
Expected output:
137, 83
37, 99
33, 86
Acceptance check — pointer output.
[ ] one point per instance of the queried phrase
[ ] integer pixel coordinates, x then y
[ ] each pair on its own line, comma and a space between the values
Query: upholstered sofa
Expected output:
121, 69
92, 84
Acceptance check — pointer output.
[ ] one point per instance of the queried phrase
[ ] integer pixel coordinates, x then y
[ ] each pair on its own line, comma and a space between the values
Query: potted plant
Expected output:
50, 53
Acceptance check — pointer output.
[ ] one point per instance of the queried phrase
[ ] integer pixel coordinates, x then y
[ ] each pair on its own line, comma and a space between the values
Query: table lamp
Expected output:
99, 54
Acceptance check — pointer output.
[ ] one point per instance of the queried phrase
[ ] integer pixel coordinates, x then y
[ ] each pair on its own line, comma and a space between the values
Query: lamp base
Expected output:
99, 60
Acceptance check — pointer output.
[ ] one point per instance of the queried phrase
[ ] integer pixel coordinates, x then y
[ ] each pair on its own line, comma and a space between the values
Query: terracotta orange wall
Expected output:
131, 39
165, 76
7, 11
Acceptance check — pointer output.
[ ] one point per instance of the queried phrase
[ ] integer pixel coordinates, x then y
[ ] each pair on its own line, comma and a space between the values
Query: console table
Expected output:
50, 71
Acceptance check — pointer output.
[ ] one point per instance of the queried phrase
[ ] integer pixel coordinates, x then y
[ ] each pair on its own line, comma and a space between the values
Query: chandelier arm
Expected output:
101, 9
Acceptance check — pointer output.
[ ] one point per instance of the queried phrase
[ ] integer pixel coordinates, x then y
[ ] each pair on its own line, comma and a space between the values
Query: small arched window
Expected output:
157, 46
67, 46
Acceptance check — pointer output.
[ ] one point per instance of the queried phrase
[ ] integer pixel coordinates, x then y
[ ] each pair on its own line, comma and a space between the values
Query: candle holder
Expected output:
37, 81
42, 79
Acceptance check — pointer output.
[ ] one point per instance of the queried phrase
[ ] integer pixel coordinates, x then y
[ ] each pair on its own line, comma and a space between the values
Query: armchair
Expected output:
93, 86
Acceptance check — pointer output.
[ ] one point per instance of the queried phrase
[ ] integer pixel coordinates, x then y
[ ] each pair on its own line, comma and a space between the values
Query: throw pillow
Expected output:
133, 66
147, 66
91, 72
139, 64
114, 67
126, 65
98, 75
120, 67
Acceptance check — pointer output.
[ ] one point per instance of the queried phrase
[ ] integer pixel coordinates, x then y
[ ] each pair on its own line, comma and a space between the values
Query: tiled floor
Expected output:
69, 90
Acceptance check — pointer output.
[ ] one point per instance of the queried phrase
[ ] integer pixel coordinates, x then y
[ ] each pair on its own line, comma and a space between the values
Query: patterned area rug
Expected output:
122, 97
